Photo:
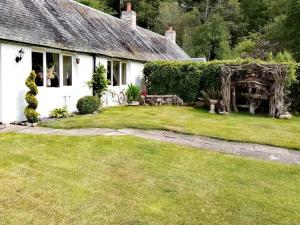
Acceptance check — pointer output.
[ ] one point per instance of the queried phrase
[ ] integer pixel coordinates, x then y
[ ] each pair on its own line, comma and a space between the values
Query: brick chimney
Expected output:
171, 34
129, 16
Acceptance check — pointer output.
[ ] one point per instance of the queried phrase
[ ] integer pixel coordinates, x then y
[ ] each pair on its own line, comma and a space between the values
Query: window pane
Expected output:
52, 69
116, 73
124, 73
109, 72
67, 70
37, 66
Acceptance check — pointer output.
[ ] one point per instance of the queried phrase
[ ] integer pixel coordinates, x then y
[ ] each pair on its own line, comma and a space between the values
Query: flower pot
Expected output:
134, 103
213, 106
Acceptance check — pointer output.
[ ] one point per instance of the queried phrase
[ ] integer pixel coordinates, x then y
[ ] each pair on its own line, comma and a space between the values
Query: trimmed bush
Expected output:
30, 111
188, 79
184, 79
88, 104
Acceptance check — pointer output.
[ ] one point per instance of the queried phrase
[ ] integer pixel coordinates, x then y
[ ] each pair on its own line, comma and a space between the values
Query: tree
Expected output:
213, 28
210, 39
101, 5
284, 29
170, 13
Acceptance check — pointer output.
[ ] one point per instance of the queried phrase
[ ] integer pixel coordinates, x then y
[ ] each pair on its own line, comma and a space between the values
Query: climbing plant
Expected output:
30, 111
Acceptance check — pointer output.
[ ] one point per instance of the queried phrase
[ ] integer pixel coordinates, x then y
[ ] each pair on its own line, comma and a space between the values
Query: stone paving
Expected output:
257, 151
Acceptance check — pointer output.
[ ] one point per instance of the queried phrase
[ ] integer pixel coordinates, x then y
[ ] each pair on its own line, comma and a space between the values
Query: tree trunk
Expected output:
206, 9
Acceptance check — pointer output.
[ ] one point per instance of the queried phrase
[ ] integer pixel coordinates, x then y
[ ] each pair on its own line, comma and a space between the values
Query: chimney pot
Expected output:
129, 6
171, 34
129, 16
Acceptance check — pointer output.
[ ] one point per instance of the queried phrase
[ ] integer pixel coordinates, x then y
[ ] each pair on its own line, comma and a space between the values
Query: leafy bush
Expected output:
30, 111
99, 83
133, 93
188, 79
294, 94
59, 113
184, 79
88, 104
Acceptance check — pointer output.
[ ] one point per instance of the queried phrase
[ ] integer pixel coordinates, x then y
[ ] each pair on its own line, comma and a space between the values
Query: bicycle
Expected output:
117, 97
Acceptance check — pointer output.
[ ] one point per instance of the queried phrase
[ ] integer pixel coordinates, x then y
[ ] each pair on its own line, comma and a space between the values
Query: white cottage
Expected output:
63, 41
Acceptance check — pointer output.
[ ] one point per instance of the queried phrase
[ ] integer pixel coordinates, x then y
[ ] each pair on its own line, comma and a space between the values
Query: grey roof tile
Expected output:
68, 25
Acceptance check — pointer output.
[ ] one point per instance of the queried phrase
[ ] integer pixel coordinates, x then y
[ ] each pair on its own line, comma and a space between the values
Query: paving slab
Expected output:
256, 151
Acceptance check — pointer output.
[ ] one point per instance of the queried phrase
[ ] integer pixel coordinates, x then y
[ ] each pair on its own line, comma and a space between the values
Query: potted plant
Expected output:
133, 94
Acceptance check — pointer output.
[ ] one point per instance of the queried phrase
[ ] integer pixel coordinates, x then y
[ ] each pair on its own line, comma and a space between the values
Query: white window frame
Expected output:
62, 68
61, 54
120, 72
126, 73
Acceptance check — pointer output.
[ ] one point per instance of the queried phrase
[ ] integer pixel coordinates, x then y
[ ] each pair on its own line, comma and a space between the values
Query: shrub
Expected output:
88, 104
59, 113
184, 79
294, 94
187, 79
133, 93
99, 83
30, 111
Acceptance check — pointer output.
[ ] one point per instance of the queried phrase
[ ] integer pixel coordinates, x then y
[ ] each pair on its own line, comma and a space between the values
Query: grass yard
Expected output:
125, 180
235, 127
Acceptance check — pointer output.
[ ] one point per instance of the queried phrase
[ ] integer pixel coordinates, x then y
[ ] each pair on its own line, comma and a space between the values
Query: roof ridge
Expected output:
115, 18
67, 24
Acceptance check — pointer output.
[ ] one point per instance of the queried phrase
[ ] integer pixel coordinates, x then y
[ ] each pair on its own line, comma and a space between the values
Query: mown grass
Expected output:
235, 127
125, 180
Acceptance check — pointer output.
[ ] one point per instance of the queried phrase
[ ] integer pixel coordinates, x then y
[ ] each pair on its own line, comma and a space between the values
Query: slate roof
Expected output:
68, 25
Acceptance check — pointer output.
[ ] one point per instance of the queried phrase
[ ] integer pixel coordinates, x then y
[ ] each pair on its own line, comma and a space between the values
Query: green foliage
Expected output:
244, 48
99, 83
210, 40
284, 57
294, 94
101, 5
188, 79
30, 110
59, 113
170, 13
184, 79
31, 100
133, 93
88, 104
215, 28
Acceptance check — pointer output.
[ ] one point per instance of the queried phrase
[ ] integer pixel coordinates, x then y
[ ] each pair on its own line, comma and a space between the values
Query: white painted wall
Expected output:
134, 76
13, 77
0, 87
13, 89
136, 73
51, 98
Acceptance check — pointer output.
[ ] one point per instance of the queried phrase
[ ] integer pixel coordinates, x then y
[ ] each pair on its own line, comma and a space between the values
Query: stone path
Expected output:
235, 148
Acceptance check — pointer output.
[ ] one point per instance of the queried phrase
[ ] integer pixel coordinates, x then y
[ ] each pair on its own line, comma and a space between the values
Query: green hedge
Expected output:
187, 79
294, 94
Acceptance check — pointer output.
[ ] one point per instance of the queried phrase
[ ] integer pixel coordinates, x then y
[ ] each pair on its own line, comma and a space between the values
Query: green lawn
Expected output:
125, 180
235, 127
